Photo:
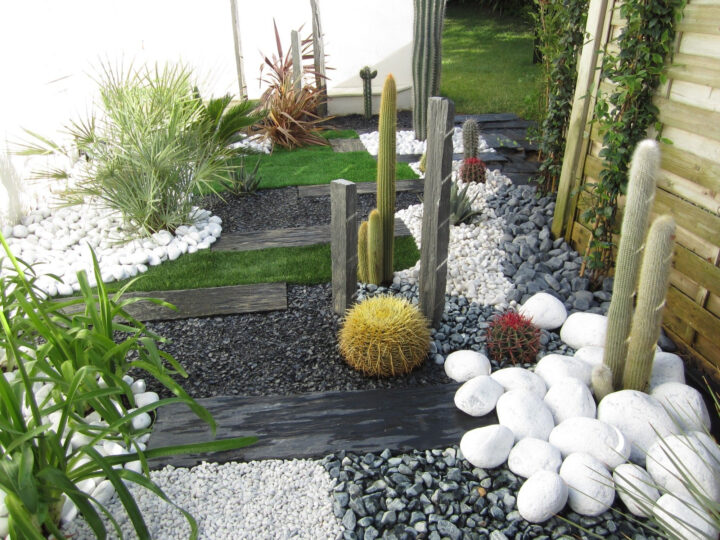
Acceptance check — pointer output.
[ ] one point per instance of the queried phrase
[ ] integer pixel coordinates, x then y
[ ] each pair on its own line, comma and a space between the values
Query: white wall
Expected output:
50, 49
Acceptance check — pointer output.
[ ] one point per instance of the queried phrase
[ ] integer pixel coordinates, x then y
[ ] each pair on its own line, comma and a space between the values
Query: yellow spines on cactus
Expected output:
640, 194
362, 271
652, 290
374, 248
386, 173
384, 336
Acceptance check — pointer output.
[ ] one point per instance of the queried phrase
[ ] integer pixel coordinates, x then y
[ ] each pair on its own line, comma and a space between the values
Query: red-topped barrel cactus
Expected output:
473, 170
512, 336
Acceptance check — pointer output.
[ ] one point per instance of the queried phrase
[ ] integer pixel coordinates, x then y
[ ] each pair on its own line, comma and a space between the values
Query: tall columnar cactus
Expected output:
362, 272
386, 174
471, 138
652, 289
367, 75
375, 248
641, 191
427, 59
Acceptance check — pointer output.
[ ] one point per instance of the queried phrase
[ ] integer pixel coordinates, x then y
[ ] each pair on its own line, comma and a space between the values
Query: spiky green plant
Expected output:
367, 75
387, 125
641, 192
423, 163
384, 336
471, 138
461, 210
362, 271
427, 59
652, 289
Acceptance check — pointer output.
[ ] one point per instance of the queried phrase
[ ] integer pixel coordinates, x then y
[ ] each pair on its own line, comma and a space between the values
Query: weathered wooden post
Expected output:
297, 70
319, 57
436, 208
343, 243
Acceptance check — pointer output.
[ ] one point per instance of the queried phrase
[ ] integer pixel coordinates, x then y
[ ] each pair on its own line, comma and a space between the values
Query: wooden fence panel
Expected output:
689, 179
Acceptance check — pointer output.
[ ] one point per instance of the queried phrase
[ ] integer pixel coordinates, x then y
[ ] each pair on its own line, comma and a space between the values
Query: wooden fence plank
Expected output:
701, 19
688, 216
695, 69
702, 321
689, 118
695, 168
599, 15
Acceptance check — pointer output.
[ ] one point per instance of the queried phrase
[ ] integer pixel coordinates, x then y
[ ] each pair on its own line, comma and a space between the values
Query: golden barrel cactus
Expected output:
384, 336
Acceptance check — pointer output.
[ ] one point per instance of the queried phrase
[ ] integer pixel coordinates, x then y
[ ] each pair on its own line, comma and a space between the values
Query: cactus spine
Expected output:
471, 138
426, 61
641, 191
386, 174
652, 289
367, 76
363, 252
375, 248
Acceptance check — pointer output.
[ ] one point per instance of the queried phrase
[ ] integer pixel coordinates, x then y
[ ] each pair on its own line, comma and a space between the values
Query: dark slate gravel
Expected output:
435, 494
282, 208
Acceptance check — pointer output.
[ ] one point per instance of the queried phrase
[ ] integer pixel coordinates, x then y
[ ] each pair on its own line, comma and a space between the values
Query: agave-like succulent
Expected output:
461, 210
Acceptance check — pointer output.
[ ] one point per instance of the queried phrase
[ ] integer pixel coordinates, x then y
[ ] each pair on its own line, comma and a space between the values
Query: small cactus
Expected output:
471, 138
367, 75
473, 170
384, 336
362, 272
423, 163
512, 336
375, 248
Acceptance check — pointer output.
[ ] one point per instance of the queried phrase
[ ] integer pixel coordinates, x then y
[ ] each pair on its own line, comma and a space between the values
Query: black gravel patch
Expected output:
282, 208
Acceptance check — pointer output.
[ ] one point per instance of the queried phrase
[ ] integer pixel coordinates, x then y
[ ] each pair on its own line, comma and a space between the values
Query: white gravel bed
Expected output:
269, 499
406, 143
256, 143
474, 256
56, 242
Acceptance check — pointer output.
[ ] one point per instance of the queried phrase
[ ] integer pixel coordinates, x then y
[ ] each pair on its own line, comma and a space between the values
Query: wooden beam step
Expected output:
323, 190
229, 300
317, 424
276, 238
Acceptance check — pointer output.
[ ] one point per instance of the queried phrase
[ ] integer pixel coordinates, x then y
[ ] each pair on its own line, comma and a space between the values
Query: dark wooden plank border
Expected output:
314, 425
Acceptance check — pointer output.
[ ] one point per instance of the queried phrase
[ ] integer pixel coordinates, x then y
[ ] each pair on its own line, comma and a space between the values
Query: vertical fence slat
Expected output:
297, 70
436, 208
343, 243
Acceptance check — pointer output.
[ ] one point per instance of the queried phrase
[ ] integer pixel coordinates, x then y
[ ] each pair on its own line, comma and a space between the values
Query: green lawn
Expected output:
303, 265
319, 165
487, 63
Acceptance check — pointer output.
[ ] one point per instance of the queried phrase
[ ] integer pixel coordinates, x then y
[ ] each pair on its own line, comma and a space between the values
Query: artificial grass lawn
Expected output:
319, 165
487, 63
301, 265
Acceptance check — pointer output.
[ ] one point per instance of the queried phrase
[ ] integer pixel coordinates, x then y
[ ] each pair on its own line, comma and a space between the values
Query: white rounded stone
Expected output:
524, 414
678, 463
20, 231
590, 355
4, 524
685, 519
542, 496
555, 367
141, 421
640, 417
590, 486
531, 455
545, 311
103, 491
570, 398
604, 442
584, 329
462, 366
517, 378
684, 404
488, 446
138, 387
478, 396
667, 367
146, 398
69, 510
635, 488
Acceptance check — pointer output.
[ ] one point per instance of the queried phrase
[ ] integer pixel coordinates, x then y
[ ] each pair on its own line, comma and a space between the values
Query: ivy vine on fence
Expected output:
625, 113
560, 27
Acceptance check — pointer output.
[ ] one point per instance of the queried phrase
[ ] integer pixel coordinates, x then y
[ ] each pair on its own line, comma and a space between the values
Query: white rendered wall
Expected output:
50, 49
